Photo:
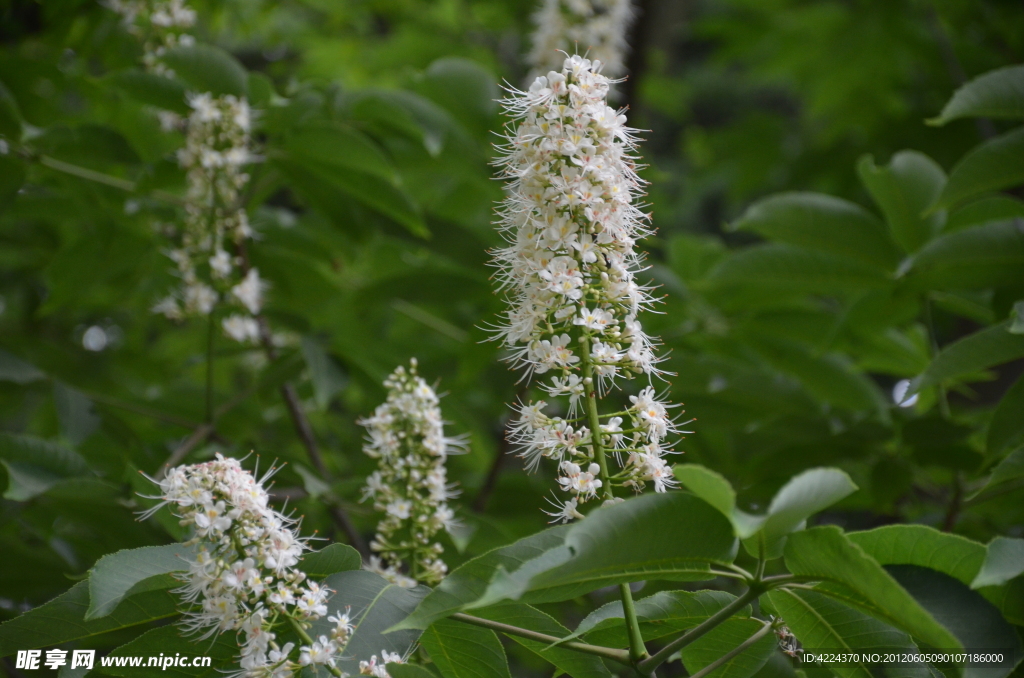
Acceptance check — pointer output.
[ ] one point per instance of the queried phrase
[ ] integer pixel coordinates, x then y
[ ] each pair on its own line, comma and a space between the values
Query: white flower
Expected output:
597, 26
566, 511
250, 291
410, 486
242, 329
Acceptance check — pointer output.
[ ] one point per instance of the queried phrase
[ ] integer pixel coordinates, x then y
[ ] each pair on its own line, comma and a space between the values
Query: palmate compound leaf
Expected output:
113, 575
663, 614
671, 536
63, 619
725, 638
463, 651
996, 94
824, 223
575, 664
855, 578
822, 623
375, 605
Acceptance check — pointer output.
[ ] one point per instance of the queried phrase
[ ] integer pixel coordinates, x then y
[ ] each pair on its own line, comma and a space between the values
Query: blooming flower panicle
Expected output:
244, 576
161, 24
571, 220
410, 486
597, 27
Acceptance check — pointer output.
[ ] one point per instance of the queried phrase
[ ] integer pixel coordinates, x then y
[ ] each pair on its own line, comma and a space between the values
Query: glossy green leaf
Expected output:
335, 145
663, 614
575, 664
984, 210
789, 268
468, 582
396, 670
826, 554
169, 641
723, 639
463, 88
10, 117
799, 499
1004, 560
63, 619
152, 89
924, 546
205, 68
713, 488
1010, 468
670, 537
823, 623
34, 464
994, 165
114, 575
995, 94
329, 560
974, 621
903, 189
1006, 428
16, 370
376, 605
823, 223
979, 351
463, 651
989, 255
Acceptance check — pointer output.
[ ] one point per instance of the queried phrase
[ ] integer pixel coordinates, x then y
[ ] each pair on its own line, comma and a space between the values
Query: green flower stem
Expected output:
301, 632
210, 338
637, 651
620, 656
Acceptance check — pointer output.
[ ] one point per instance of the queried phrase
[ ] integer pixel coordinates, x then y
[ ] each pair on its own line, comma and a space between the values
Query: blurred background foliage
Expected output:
790, 320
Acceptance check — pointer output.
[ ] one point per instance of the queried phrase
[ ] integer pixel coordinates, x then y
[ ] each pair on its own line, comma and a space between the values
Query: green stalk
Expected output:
210, 335
620, 656
637, 650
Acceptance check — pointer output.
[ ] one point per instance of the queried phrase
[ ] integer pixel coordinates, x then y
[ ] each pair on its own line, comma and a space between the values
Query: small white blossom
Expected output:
596, 26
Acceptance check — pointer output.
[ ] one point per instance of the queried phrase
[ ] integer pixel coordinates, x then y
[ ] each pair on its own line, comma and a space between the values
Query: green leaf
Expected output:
63, 619
822, 623
663, 614
1006, 428
396, 670
713, 488
990, 255
669, 537
823, 223
1010, 468
340, 146
12, 178
34, 464
723, 639
975, 622
10, 116
924, 546
463, 88
463, 651
17, 370
114, 575
1004, 560
825, 553
326, 376
467, 583
78, 419
376, 605
168, 641
576, 664
904, 189
992, 166
984, 210
979, 351
996, 94
788, 268
799, 499
330, 560
152, 89
205, 68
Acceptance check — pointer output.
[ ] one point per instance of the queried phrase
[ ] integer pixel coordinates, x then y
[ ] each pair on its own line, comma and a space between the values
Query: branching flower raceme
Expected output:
571, 222
597, 27
410, 486
244, 578
217, 148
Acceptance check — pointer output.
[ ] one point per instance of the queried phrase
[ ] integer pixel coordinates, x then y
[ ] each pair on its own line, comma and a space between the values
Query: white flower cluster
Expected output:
217, 149
410, 486
571, 222
244, 577
160, 23
596, 27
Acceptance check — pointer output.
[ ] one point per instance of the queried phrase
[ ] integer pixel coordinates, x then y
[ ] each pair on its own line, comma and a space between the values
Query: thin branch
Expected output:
956, 503
140, 409
620, 656
105, 179
997, 491
202, 432
735, 651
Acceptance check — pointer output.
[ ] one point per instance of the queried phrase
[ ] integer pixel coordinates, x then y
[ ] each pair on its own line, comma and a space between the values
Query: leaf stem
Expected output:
620, 656
733, 652
105, 179
637, 650
661, 656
